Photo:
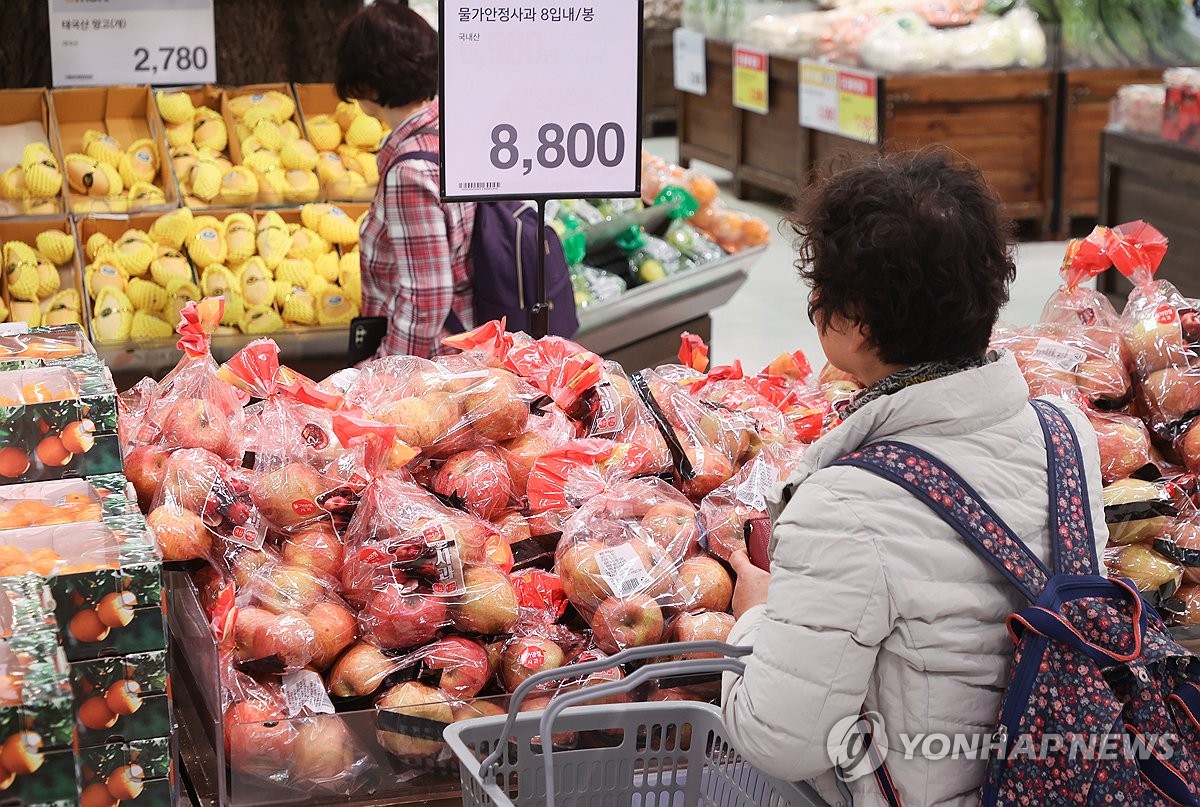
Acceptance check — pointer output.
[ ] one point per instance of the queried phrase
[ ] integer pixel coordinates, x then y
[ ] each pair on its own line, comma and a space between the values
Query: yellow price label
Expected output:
750, 80
858, 106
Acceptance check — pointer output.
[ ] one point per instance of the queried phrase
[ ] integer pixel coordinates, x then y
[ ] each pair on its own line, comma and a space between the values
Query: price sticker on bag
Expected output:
540, 99
95, 42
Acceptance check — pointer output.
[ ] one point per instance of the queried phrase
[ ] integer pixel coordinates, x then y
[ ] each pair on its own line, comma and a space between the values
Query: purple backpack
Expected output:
1093, 659
504, 266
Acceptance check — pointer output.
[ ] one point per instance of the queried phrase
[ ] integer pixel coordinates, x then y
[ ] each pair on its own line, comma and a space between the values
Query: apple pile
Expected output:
423, 536
1134, 376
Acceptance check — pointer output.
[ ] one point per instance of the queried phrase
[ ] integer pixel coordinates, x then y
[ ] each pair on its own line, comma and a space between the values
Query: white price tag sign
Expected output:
96, 42
540, 98
818, 96
691, 66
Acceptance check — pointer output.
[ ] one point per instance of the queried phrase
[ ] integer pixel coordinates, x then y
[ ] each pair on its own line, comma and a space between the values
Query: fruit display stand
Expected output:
1002, 121
1145, 177
26, 116
708, 126
1085, 96
127, 115
213, 781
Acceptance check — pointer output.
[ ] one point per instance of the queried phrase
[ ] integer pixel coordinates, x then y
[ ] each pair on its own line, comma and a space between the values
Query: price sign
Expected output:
839, 100
750, 79
818, 96
691, 68
540, 98
132, 42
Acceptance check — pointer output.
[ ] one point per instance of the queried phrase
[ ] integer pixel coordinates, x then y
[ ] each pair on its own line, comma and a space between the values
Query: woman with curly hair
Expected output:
872, 602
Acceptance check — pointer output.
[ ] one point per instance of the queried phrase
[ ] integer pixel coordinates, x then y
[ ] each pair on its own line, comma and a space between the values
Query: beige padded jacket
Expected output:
876, 603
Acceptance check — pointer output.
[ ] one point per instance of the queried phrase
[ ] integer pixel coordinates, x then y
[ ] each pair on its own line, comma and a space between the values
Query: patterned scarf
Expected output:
910, 377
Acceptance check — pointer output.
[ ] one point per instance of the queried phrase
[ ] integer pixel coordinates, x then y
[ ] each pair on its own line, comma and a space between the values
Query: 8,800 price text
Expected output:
580, 145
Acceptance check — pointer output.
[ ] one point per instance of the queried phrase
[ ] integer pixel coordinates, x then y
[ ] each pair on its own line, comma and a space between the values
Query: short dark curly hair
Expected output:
387, 53
914, 247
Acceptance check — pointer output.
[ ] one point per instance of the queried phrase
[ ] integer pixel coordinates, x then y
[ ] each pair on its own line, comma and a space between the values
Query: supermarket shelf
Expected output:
651, 309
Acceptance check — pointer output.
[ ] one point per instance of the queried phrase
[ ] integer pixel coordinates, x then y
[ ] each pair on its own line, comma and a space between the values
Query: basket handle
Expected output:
663, 670
600, 665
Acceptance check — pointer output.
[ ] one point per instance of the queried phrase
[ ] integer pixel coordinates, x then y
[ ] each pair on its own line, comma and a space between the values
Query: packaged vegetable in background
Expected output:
650, 259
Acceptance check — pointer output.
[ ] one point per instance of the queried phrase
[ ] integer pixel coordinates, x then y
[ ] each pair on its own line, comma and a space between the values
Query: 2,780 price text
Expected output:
181, 59
580, 145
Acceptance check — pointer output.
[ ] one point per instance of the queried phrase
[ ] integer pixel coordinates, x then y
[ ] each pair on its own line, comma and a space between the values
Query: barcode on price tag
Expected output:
1062, 356
304, 693
132, 42
622, 568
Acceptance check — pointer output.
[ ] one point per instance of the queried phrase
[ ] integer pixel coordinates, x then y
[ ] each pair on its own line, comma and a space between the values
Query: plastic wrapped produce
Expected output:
1150, 572
1076, 306
1139, 108
618, 560
650, 259
1060, 360
1123, 441
1180, 542
595, 286
1136, 511
725, 513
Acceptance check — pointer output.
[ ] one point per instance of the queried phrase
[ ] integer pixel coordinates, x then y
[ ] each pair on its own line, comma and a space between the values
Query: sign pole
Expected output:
539, 315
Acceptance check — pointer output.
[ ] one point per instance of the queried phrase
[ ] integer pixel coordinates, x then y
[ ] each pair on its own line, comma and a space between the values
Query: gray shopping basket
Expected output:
670, 754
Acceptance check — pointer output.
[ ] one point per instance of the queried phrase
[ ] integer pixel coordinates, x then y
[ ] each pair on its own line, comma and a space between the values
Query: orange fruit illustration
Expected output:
126, 782
124, 697
87, 627
13, 462
53, 453
116, 608
22, 753
95, 713
79, 437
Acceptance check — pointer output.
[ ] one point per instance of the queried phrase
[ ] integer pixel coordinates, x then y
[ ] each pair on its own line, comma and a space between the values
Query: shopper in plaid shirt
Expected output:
416, 262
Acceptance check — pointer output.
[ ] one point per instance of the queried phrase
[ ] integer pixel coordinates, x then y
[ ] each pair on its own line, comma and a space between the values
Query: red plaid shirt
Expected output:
416, 262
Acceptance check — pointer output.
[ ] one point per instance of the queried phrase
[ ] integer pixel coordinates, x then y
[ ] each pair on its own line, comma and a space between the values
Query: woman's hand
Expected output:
752, 582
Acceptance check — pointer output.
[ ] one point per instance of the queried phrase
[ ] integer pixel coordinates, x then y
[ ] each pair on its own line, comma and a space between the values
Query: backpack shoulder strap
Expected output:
957, 504
1071, 531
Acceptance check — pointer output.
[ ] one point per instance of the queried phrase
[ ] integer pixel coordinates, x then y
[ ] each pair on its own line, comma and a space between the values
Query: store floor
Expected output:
768, 314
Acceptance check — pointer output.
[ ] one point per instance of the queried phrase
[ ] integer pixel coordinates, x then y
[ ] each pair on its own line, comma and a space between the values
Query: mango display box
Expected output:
58, 422
103, 582
138, 772
31, 179
121, 698
113, 150
42, 276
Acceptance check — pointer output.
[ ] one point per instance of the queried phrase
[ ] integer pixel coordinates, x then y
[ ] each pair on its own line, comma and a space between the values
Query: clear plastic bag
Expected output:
725, 512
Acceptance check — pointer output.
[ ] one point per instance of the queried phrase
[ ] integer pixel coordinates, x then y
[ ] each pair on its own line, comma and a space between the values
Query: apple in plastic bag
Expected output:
487, 604
259, 739
398, 617
414, 699
634, 621
524, 657
704, 585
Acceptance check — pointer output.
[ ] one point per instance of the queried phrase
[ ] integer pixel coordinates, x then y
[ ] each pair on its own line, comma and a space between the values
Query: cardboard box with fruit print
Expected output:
58, 422
41, 347
121, 697
133, 773
65, 501
104, 580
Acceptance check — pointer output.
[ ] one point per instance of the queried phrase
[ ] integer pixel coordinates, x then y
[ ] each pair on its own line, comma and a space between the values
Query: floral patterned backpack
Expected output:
1103, 706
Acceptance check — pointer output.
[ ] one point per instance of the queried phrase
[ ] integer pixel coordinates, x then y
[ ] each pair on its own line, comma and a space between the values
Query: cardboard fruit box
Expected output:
58, 422
35, 691
337, 162
104, 581
293, 186
126, 115
39, 347
66, 501
26, 117
121, 698
139, 772
28, 296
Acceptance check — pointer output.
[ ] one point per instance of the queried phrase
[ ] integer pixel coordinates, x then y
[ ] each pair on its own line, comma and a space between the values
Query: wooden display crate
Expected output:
708, 124
1003, 121
658, 82
773, 151
1085, 97
1145, 177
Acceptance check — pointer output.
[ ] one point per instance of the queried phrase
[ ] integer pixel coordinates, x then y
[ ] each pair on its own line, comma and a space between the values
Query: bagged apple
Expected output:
290, 617
202, 506
1123, 441
1058, 359
260, 740
566, 477
726, 512
192, 407
616, 412
411, 718
727, 388
548, 429
1136, 511
618, 559
477, 480
1180, 543
1152, 574
707, 443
